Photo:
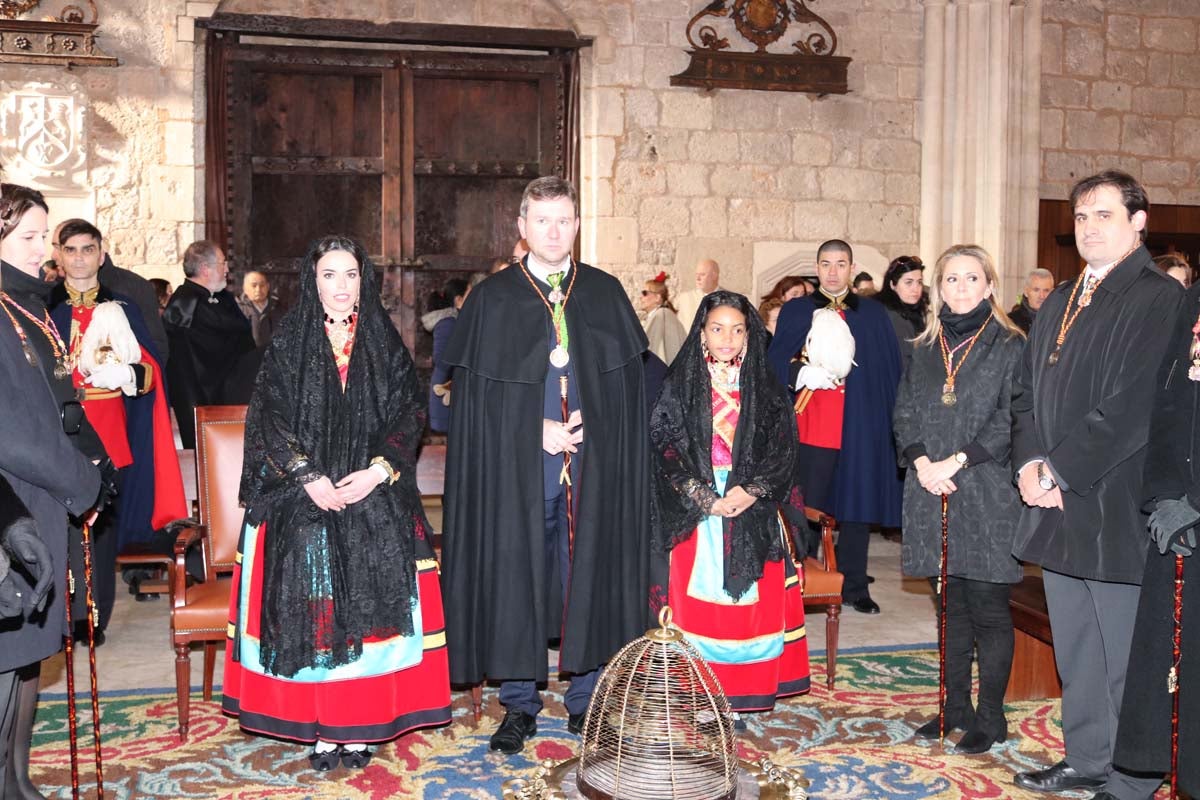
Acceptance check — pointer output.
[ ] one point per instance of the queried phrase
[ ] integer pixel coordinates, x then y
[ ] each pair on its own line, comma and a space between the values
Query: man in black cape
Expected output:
1172, 490
1081, 406
512, 579
210, 339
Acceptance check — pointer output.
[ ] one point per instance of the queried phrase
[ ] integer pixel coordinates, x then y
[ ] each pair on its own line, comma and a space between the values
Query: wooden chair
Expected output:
823, 587
200, 613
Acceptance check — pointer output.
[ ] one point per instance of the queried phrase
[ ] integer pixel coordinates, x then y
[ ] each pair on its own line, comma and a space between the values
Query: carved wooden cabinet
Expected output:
419, 153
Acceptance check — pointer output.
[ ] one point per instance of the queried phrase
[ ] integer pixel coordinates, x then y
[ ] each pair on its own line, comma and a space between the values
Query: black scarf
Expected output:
914, 314
963, 326
764, 450
301, 426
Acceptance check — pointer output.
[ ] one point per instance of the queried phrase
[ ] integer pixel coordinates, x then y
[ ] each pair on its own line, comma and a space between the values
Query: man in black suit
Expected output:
1081, 419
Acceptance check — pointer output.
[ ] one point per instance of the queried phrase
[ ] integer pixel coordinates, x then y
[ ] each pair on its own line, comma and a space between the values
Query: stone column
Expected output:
981, 115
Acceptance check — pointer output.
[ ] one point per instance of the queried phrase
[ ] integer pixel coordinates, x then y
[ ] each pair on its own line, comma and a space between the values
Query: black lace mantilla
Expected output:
332, 579
764, 450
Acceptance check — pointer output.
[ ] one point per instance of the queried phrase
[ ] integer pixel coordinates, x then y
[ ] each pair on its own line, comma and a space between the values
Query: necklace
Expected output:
57, 346
559, 356
949, 398
1070, 315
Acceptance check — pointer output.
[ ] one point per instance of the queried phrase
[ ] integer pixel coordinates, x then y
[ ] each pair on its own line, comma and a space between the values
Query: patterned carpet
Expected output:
853, 743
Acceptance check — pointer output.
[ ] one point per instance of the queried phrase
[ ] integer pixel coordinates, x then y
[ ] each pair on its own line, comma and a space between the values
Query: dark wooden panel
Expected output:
463, 119
394, 32
297, 113
467, 216
289, 211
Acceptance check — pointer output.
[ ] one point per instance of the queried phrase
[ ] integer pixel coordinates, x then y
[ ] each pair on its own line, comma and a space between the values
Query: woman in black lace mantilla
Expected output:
337, 593
724, 442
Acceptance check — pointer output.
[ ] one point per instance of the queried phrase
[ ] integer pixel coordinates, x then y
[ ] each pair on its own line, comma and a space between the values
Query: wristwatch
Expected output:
961, 458
1045, 479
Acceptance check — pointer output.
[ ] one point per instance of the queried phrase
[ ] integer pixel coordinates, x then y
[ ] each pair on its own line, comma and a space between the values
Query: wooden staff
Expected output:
91, 633
1173, 677
69, 652
565, 476
942, 581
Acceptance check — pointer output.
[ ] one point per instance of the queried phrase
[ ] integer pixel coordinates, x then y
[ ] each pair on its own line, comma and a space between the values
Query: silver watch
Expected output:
1045, 479
962, 460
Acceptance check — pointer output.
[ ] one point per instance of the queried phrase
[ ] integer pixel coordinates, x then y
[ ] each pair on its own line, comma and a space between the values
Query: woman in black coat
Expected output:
953, 430
48, 475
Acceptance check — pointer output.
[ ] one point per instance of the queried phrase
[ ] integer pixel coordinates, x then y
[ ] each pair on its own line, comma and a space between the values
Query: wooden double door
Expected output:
420, 154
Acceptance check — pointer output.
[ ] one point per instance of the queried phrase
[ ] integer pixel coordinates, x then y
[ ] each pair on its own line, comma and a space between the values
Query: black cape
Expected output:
498, 618
1172, 471
1090, 415
208, 340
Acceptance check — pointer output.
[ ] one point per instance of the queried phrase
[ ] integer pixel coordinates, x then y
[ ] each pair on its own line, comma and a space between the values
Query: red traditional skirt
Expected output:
378, 705
756, 648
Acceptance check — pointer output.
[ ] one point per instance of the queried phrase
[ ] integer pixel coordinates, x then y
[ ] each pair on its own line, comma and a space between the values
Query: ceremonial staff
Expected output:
565, 476
69, 652
942, 580
1173, 676
72, 712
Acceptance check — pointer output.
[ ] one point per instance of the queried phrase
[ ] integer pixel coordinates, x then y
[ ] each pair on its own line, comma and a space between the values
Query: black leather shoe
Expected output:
355, 759
975, 742
930, 729
515, 728
1058, 778
323, 762
865, 605
575, 723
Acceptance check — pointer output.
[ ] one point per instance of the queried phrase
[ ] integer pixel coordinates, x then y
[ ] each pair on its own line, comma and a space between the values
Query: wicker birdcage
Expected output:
658, 726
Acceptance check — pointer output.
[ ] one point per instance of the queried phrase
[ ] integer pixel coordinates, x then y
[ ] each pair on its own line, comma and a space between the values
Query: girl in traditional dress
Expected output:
954, 431
724, 437
337, 615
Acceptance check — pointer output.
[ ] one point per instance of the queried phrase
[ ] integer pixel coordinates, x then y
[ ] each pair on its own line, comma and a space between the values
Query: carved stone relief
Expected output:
42, 135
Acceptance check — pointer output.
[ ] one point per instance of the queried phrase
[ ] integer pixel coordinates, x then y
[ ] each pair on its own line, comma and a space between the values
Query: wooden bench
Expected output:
1034, 675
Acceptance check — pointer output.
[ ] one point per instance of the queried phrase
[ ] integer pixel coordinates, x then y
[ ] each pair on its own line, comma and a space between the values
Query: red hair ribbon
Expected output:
661, 277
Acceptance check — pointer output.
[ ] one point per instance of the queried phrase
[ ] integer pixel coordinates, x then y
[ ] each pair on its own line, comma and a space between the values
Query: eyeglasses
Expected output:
646, 292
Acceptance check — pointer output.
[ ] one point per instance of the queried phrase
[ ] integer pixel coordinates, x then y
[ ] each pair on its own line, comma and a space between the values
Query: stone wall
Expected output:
1121, 88
139, 161
670, 174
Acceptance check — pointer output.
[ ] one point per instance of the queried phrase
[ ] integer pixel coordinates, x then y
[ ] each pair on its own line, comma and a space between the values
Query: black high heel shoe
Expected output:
324, 762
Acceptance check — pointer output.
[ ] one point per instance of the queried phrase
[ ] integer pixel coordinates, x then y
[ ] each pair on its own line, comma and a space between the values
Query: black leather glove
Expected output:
1172, 526
108, 484
27, 548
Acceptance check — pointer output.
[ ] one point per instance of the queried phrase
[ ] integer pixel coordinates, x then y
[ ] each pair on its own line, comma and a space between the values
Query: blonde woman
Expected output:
663, 328
953, 431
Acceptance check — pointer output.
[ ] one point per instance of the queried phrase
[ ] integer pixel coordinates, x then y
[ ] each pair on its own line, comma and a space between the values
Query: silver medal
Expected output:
559, 357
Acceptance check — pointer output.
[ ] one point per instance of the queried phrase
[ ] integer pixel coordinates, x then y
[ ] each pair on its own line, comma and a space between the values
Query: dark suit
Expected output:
1088, 417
